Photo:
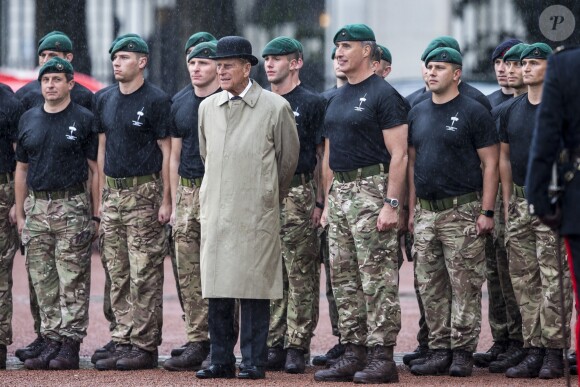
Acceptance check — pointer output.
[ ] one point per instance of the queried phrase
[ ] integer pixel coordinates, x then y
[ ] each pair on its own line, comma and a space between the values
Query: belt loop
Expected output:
303, 178
359, 174
382, 169
455, 202
135, 181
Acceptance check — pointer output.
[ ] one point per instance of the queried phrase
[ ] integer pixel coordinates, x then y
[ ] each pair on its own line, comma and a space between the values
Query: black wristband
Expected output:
96, 219
320, 205
488, 213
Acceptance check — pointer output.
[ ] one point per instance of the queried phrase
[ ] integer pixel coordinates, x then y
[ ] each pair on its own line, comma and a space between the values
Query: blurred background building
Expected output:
405, 27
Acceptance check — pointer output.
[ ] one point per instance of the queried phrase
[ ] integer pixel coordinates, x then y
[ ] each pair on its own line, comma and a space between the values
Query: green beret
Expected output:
203, 50
536, 51
56, 65
444, 54
385, 54
130, 44
50, 34
197, 38
55, 42
280, 46
442, 41
299, 45
514, 53
333, 54
354, 32
122, 37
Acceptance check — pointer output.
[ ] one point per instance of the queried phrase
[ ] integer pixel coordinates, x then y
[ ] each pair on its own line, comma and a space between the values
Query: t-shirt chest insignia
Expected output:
72, 129
453, 119
140, 114
361, 100
296, 114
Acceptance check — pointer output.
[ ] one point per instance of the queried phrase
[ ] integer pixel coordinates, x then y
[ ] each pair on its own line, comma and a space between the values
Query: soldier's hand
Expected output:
164, 213
553, 220
388, 218
324, 217
172, 218
12, 215
316, 216
484, 225
20, 220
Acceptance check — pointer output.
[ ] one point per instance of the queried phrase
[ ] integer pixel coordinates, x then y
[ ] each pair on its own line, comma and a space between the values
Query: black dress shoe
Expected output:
217, 371
252, 372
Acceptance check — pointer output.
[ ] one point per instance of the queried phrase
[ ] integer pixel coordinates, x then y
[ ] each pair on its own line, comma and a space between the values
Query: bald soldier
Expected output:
291, 321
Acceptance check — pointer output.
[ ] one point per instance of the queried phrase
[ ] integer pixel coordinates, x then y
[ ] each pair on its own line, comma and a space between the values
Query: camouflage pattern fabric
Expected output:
291, 318
423, 333
364, 264
450, 272
186, 236
505, 320
171, 253
332, 310
33, 300
134, 247
8, 247
107, 309
58, 235
533, 267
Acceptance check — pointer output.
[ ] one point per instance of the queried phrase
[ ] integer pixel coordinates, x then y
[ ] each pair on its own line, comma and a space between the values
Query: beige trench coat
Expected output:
250, 149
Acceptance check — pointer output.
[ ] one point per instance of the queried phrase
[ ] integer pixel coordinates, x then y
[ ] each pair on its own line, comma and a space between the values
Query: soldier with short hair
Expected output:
56, 147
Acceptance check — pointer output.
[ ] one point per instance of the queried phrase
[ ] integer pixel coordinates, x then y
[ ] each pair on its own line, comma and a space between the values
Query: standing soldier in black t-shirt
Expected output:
531, 245
56, 147
10, 112
133, 120
186, 173
453, 156
364, 173
382, 62
292, 317
53, 44
505, 320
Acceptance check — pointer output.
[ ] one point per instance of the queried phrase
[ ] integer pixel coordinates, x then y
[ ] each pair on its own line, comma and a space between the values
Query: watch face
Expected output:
394, 203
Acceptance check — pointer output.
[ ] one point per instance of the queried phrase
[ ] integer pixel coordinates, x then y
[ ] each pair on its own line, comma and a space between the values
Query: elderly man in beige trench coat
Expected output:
249, 143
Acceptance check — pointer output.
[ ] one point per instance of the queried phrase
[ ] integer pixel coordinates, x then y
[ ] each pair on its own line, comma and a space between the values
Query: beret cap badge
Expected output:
536, 52
57, 44
444, 55
59, 66
131, 46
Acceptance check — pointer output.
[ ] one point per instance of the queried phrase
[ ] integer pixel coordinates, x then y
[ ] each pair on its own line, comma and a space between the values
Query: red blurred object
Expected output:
18, 78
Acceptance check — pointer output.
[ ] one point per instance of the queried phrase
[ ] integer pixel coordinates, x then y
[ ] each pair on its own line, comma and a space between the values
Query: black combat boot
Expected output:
138, 359
179, 350
103, 352
31, 350
514, 355
380, 368
2, 357
50, 351
276, 359
68, 356
553, 365
333, 353
483, 359
190, 359
437, 363
295, 361
419, 352
530, 366
352, 361
110, 363
462, 364
421, 359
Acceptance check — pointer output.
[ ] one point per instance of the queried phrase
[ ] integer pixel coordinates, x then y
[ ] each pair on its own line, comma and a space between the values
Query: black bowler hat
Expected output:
235, 47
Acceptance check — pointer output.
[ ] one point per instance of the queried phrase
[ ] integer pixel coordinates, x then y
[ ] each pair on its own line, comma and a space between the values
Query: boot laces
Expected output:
335, 351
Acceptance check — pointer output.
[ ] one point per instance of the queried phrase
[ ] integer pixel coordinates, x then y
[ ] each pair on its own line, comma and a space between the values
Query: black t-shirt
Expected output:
516, 125
133, 123
308, 108
498, 97
180, 93
56, 147
411, 98
465, 89
330, 93
10, 112
5, 87
184, 115
31, 95
355, 120
446, 138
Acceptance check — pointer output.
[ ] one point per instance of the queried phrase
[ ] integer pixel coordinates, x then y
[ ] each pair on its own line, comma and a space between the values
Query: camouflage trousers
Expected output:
364, 264
450, 271
533, 266
293, 318
332, 310
8, 247
134, 247
186, 236
505, 319
58, 235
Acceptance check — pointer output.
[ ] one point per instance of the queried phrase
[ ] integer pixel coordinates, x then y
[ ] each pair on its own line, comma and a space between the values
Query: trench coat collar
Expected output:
251, 97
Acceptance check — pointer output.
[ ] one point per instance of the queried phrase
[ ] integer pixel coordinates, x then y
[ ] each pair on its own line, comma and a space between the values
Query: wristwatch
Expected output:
392, 202
488, 213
